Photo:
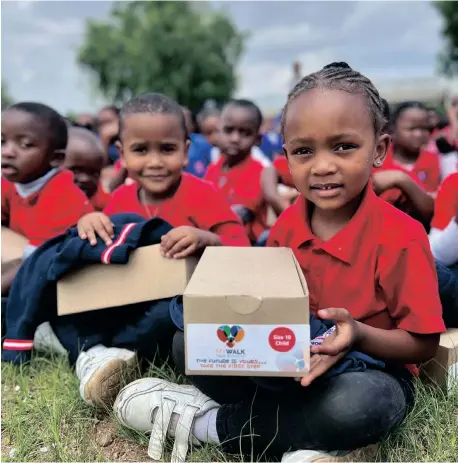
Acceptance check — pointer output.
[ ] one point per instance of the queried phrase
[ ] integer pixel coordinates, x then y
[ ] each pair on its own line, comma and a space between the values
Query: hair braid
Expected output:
340, 76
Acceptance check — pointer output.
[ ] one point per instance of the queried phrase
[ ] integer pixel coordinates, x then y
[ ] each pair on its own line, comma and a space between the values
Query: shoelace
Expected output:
161, 423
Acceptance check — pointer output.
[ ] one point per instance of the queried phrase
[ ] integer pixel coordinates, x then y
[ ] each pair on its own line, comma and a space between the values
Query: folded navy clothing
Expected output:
353, 361
32, 299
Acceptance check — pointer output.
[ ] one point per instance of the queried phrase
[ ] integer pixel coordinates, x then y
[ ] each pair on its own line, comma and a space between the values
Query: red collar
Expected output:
346, 244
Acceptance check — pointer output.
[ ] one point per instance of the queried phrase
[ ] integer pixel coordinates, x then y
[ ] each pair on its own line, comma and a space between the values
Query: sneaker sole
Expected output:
103, 387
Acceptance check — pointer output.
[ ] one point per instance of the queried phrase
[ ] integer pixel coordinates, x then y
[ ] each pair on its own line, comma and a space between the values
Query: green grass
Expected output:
44, 419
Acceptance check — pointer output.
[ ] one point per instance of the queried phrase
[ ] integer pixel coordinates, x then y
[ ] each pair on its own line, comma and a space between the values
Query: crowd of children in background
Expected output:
331, 171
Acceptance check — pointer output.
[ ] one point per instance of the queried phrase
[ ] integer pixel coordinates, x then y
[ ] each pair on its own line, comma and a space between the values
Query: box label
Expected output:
269, 348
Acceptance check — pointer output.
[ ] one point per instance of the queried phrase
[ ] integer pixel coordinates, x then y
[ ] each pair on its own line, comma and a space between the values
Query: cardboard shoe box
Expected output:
443, 368
146, 277
13, 246
246, 312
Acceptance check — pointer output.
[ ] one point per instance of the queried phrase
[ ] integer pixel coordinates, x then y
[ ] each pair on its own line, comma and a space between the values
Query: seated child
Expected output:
85, 157
410, 175
443, 238
236, 173
199, 150
444, 139
153, 147
362, 259
209, 121
39, 199
444, 226
108, 128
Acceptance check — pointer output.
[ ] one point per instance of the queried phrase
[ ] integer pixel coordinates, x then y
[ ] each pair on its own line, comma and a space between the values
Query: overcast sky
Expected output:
385, 40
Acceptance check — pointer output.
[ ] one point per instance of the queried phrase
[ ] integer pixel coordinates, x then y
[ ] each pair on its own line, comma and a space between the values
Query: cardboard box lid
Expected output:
146, 277
13, 245
231, 271
247, 278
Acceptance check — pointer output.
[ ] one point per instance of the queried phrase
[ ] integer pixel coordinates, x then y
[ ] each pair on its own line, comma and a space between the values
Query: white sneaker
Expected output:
102, 372
45, 340
303, 456
157, 406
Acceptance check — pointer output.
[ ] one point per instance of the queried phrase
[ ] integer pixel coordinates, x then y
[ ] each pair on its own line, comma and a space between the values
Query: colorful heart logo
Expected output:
230, 335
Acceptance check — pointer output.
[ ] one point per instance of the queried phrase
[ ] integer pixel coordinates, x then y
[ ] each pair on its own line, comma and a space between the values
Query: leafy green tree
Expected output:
7, 100
182, 49
449, 57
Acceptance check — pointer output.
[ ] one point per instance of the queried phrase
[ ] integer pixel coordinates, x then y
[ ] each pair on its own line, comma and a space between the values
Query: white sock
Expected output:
205, 427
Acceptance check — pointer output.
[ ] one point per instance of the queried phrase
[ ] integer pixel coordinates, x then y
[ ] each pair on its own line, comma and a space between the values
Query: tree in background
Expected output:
184, 50
449, 57
7, 100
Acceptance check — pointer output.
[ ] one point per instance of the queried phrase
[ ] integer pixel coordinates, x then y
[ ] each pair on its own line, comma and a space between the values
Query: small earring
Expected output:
378, 162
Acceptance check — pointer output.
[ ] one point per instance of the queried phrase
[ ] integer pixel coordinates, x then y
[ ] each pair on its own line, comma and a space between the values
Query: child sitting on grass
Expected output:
153, 147
85, 158
39, 199
362, 260
410, 175
237, 174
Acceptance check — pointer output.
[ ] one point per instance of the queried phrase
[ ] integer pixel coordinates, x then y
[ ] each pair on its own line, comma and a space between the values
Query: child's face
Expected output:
26, 147
106, 117
411, 131
331, 147
86, 162
154, 151
433, 119
239, 131
210, 129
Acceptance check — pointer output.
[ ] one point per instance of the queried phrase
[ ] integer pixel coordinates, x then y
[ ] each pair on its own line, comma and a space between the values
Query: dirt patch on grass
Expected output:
115, 447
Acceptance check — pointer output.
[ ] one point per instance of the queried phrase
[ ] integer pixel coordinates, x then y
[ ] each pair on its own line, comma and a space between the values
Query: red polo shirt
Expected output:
196, 203
379, 266
426, 169
281, 166
53, 210
101, 199
241, 185
446, 204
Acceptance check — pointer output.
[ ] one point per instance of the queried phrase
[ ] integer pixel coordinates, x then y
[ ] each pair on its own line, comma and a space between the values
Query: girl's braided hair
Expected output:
340, 76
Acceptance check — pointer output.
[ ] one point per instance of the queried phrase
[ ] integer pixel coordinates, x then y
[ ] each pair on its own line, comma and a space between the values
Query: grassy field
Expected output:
44, 420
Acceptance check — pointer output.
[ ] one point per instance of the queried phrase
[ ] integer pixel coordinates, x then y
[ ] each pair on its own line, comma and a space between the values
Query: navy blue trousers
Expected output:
145, 328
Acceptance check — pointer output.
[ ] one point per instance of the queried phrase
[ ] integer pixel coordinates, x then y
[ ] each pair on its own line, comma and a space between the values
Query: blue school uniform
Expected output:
199, 157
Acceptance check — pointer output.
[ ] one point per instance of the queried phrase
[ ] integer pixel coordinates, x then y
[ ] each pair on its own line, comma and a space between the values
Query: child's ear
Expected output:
57, 158
186, 151
118, 145
381, 150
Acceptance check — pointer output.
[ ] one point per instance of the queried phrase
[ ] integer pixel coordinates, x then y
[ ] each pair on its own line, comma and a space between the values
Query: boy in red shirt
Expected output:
39, 200
85, 157
362, 260
153, 147
410, 175
236, 174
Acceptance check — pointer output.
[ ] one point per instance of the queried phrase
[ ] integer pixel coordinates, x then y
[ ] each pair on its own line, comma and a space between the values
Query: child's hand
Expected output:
335, 346
184, 241
95, 224
387, 179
